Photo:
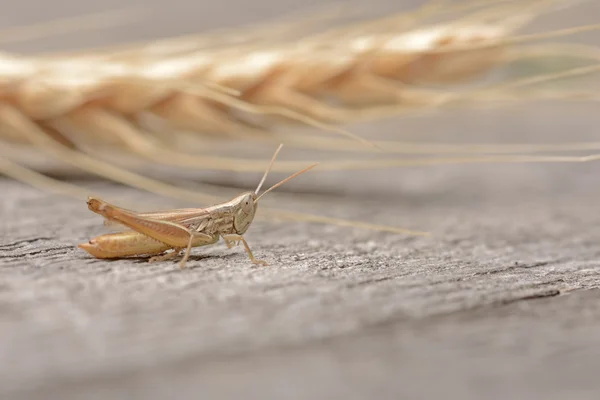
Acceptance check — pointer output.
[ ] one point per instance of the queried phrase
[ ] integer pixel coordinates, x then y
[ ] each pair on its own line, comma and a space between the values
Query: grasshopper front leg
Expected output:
239, 238
230, 243
175, 235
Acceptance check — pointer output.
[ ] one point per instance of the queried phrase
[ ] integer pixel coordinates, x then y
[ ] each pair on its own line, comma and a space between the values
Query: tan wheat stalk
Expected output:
74, 106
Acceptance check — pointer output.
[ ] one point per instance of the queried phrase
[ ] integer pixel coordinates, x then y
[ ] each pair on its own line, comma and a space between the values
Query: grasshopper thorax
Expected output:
244, 210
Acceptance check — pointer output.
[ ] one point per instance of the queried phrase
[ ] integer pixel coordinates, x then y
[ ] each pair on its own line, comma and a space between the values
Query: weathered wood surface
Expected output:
502, 302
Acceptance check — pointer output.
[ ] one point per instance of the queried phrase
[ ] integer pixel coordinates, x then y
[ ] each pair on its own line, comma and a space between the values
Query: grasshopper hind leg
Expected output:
196, 239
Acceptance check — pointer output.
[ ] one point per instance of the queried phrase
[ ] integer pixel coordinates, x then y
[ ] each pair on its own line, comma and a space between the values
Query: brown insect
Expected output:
176, 230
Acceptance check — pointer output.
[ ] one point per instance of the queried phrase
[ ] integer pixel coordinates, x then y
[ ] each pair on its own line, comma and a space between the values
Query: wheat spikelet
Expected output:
64, 104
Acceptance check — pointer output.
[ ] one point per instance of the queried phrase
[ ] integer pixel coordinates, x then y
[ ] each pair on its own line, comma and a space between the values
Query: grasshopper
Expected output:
154, 233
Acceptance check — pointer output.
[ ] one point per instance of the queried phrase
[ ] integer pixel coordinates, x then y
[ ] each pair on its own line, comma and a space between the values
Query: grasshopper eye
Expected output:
248, 204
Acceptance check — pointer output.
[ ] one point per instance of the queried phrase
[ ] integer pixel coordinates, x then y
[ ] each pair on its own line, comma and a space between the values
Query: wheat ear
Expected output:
64, 105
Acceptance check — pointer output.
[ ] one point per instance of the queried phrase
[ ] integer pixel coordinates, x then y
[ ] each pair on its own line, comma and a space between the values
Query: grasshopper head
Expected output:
244, 213
246, 203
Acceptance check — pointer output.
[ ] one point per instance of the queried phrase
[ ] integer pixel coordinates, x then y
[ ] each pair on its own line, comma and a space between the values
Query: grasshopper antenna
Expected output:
280, 182
268, 169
